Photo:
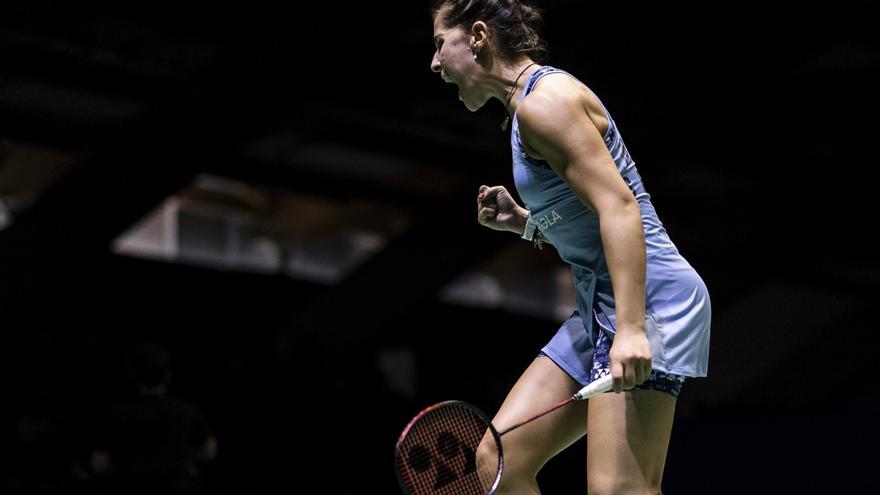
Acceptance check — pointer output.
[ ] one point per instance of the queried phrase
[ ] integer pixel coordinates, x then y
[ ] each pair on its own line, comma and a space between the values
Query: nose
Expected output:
435, 63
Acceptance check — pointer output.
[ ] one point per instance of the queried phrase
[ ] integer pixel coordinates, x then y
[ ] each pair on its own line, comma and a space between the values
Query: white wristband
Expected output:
529, 231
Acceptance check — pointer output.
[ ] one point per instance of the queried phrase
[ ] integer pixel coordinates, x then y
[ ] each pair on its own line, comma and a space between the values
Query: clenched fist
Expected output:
497, 210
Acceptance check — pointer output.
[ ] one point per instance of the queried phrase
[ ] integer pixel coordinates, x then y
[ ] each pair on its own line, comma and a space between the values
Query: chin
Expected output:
472, 108
472, 105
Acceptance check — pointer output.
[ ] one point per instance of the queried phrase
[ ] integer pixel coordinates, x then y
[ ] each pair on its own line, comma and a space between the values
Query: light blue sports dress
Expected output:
677, 306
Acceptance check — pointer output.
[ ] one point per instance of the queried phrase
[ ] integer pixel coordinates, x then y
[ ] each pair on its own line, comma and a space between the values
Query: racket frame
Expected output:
398, 452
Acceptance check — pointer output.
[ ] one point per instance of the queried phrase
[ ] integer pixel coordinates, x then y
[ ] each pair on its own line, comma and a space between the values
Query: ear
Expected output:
479, 35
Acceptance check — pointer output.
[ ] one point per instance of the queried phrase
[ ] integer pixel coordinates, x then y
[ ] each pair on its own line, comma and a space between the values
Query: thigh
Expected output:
529, 447
627, 441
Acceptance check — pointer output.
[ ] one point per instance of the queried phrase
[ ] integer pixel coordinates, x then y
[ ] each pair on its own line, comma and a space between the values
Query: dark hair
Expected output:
514, 23
151, 364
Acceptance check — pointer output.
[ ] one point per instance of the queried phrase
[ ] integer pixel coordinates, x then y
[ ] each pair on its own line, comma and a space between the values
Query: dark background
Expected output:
754, 128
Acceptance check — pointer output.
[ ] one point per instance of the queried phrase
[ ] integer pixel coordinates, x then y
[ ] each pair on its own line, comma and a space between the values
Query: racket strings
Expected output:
439, 452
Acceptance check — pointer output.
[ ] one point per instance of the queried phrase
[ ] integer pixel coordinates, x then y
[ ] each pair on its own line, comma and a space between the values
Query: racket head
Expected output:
436, 452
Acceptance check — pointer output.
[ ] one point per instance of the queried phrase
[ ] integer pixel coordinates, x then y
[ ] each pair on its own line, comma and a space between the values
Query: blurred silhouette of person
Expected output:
152, 443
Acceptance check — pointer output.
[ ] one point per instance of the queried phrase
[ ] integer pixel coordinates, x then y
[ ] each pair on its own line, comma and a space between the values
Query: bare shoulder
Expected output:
558, 94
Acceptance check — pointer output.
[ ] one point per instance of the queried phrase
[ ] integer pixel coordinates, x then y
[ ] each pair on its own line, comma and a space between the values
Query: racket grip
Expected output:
596, 387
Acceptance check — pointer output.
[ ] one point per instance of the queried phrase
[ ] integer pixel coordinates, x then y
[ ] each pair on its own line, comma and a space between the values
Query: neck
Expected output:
516, 76
511, 100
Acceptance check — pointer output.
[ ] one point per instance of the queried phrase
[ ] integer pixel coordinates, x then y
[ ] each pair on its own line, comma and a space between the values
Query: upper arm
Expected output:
554, 122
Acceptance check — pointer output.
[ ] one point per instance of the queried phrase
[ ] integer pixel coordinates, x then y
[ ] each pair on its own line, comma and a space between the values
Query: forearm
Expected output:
623, 241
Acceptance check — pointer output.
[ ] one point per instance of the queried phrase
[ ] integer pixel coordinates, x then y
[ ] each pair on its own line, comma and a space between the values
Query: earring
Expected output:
476, 52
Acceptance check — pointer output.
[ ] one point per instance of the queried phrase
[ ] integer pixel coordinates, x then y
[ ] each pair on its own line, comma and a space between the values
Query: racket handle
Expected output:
597, 387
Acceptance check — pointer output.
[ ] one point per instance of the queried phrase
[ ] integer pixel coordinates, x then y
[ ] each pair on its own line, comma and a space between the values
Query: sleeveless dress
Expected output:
677, 305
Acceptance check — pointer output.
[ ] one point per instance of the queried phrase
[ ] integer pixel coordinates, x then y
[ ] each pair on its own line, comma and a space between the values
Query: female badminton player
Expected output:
643, 313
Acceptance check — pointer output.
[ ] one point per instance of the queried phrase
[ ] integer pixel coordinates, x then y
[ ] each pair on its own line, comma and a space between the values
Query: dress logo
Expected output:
549, 220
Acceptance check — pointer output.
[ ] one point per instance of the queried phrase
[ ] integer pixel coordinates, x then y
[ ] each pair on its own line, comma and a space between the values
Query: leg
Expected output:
529, 447
627, 441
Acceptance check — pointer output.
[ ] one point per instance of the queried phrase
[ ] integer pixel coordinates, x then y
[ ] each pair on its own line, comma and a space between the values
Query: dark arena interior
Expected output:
281, 195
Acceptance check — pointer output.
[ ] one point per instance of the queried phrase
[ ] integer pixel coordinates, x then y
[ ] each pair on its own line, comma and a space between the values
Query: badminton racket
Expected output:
437, 451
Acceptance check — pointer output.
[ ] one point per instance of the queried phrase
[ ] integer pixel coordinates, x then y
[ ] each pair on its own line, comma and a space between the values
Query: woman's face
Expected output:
454, 60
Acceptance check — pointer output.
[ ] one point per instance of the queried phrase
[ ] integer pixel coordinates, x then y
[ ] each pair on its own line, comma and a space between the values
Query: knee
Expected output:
487, 460
517, 474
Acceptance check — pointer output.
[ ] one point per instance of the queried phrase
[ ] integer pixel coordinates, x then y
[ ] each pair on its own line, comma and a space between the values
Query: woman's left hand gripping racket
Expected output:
437, 451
